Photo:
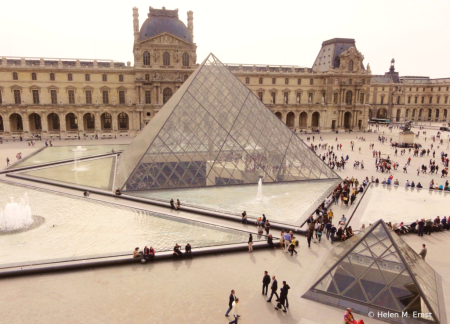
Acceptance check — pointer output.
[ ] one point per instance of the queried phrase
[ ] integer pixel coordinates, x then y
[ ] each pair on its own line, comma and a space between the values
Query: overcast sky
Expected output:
414, 32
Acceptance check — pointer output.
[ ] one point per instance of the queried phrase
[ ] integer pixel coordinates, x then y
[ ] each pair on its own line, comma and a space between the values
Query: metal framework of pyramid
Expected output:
214, 131
378, 272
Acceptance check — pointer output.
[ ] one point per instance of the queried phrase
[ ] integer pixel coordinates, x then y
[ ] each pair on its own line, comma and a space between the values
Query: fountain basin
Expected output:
37, 221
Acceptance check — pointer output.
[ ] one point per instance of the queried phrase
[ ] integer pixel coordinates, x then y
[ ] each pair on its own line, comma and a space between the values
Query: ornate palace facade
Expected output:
71, 98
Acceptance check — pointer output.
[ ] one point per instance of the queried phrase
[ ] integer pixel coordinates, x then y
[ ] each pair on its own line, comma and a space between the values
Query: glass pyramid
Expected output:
214, 131
376, 272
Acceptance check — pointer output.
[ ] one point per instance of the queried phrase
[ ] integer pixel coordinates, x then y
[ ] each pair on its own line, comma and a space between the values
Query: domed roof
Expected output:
164, 21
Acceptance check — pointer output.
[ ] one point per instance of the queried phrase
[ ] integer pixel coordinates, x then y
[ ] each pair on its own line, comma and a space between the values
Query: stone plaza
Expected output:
176, 150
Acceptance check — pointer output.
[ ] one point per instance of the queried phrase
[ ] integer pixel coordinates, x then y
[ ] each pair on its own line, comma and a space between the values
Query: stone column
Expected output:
98, 122
44, 122
62, 122
296, 120
6, 123
80, 121
309, 120
115, 122
25, 122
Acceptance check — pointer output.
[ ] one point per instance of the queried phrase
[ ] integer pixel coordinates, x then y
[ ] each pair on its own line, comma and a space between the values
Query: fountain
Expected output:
259, 194
16, 216
79, 149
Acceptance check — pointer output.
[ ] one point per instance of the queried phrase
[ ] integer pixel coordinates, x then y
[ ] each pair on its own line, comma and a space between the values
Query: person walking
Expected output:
287, 241
273, 289
309, 235
230, 302
250, 242
292, 246
282, 300
267, 227
423, 253
266, 282
7, 161
328, 229
235, 312
333, 231
421, 226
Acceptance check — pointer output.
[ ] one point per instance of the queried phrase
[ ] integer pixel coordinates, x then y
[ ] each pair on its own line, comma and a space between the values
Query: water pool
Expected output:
61, 153
286, 203
78, 227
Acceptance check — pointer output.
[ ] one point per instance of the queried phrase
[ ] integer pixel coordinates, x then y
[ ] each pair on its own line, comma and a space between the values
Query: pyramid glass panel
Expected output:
214, 131
381, 272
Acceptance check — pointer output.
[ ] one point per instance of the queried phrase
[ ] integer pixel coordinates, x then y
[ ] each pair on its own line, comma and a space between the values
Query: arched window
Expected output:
147, 77
166, 58
123, 121
167, 93
185, 59
260, 80
104, 77
120, 78
33, 76
437, 113
146, 58
286, 81
299, 81
247, 80
274, 81
349, 98
15, 76
350, 65
52, 76
69, 77
186, 77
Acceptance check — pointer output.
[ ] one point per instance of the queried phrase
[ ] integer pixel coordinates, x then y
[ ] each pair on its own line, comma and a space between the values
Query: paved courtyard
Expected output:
198, 290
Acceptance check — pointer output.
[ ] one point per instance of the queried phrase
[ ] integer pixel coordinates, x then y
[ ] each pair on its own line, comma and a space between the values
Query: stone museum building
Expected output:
71, 98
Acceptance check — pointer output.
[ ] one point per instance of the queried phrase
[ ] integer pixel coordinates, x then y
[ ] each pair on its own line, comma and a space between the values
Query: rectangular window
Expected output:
71, 96
87, 77
260, 96
1, 97
362, 98
54, 97
431, 99
446, 99
69, 77
121, 78
382, 99
409, 100
311, 81
431, 88
33, 76
88, 97
148, 97
52, 76
438, 99
17, 98
398, 100
335, 98
105, 97
35, 96
415, 100
273, 98
423, 99
122, 97
383, 88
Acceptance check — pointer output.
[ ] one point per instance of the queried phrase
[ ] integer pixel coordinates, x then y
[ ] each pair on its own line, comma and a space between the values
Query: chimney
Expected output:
136, 23
190, 20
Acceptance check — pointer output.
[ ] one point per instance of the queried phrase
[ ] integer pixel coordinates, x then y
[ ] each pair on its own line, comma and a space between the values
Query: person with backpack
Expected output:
333, 231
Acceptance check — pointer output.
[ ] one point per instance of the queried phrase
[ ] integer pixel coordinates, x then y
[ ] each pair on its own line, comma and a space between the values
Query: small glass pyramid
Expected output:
377, 271
214, 131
